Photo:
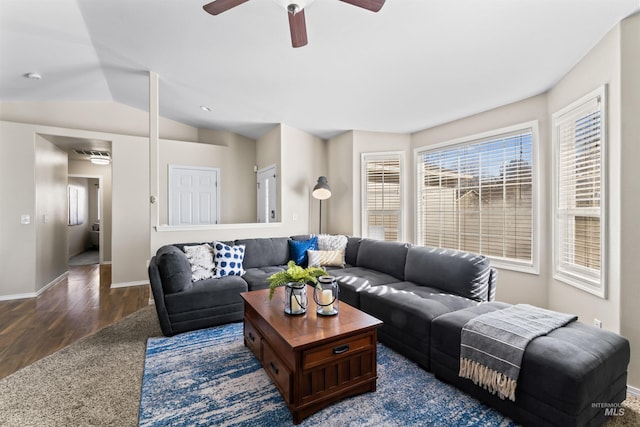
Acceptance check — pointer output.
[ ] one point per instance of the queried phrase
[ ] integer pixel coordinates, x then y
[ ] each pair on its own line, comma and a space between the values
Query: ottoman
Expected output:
567, 377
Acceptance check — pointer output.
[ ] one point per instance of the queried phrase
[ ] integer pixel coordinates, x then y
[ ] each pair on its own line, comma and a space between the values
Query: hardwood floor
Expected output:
79, 305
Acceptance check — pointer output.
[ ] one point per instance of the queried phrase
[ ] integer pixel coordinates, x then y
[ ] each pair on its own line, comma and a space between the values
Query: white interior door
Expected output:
267, 193
193, 195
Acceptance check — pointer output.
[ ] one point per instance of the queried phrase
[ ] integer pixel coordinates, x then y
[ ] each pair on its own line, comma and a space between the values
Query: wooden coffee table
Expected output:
313, 360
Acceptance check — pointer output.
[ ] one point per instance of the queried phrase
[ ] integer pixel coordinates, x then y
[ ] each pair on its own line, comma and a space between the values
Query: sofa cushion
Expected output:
460, 273
351, 251
256, 277
206, 294
298, 250
200, 258
386, 257
410, 307
264, 252
174, 269
353, 280
228, 260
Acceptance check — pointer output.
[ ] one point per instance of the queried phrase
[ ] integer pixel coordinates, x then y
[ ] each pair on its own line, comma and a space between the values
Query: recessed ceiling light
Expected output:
33, 76
100, 160
205, 108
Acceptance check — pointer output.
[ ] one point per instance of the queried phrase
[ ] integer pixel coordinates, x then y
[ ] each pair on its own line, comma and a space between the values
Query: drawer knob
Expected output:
251, 337
273, 368
341, 349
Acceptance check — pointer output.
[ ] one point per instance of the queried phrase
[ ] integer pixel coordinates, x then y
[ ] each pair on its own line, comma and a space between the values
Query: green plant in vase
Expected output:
294, 274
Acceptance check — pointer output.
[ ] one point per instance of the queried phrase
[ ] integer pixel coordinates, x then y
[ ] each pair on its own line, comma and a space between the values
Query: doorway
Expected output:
267, 194
85, 213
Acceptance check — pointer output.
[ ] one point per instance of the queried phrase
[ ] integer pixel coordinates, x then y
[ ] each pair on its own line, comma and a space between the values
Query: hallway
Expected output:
77, 306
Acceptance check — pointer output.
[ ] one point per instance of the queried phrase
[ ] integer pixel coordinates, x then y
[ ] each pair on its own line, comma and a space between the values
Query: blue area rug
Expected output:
208, 378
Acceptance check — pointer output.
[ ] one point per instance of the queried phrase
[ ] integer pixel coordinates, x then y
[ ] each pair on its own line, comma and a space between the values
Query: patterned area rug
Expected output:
208, 377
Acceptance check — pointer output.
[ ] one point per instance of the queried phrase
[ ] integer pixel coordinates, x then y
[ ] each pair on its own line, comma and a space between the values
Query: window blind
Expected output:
477, 196
382, 197
578, 226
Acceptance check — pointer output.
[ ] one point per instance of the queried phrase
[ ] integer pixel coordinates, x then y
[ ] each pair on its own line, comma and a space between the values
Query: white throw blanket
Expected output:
492, 345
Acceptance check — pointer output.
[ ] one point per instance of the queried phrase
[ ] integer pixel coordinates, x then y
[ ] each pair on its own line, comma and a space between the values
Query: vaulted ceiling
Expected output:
413, 65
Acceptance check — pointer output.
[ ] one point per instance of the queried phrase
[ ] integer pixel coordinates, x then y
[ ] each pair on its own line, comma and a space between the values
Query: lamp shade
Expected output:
321, 191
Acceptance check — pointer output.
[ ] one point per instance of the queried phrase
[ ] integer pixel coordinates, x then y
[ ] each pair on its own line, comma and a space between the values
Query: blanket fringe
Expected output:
492, 381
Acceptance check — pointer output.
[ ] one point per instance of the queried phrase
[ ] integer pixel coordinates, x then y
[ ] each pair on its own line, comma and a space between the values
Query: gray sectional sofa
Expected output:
424, 296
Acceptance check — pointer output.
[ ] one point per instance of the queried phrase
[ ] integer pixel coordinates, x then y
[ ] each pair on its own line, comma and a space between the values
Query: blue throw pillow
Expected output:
298, 250
227, 260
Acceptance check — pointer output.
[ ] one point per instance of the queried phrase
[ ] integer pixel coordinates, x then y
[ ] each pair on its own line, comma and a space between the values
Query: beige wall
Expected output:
102, 172
237, 179
51, 213
303, 160
109, 117
600, 66
17, 183
630, 191
340, 207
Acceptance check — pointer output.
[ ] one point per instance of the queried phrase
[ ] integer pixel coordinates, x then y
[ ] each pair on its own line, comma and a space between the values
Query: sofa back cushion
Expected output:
461, 273
264, 252
386, 257
174, 269
351, 251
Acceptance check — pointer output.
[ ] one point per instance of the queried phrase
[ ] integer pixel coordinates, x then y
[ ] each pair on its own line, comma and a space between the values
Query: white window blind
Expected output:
476, 195
578, 226
382, 196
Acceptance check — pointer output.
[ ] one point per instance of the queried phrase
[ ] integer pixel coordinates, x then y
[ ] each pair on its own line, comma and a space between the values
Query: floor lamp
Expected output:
321, 192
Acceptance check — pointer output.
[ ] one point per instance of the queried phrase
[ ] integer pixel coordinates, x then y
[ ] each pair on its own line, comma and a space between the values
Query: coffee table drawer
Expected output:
277, 371
253, 339
335, 350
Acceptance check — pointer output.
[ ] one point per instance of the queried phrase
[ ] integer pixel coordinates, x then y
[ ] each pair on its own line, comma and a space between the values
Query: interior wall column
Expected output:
154, 179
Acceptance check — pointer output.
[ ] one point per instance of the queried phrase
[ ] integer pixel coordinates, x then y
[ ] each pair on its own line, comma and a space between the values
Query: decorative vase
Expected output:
326, 296
295, 298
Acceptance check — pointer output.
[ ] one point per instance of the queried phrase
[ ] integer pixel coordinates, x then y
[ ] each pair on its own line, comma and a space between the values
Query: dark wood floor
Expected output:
79, 305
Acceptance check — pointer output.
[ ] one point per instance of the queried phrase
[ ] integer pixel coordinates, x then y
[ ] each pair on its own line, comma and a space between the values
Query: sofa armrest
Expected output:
174, 269
158, 298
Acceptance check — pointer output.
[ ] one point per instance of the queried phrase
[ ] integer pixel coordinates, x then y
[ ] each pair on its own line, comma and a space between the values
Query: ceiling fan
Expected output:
295, 10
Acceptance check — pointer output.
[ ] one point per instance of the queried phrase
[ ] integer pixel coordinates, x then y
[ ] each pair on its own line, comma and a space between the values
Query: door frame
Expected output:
101, 210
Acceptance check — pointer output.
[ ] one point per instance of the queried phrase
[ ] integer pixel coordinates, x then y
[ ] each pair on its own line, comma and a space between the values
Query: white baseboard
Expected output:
17, 296
633, 390
53, 282
127, 284
37, 293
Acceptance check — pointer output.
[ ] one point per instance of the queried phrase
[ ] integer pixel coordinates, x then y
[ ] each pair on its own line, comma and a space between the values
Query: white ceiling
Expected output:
413, 65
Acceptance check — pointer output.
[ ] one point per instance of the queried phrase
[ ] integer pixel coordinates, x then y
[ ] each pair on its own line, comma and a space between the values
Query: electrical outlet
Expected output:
597, 323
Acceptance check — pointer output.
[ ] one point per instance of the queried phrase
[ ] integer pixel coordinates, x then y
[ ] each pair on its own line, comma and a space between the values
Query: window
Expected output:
382, 196
477, 194
578, 138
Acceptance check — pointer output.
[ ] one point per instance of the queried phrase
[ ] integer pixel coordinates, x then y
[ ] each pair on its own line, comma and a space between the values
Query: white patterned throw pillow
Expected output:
228, 260
333, 242
325, 258
201, 259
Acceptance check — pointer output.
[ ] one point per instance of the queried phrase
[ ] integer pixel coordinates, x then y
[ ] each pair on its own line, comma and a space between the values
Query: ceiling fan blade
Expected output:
218, 6
297, 26
372, 5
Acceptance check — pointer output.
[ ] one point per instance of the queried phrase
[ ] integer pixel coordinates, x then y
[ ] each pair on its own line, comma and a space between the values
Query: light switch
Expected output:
45, 218
25, 219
